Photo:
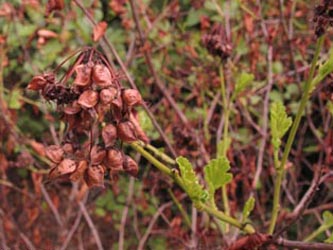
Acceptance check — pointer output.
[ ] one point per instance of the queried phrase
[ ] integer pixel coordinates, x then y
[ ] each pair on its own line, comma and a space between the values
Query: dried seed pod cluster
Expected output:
99, 114
323, 17
216, 42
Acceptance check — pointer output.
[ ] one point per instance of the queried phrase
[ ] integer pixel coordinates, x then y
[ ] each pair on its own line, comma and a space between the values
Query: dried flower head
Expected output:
216, 42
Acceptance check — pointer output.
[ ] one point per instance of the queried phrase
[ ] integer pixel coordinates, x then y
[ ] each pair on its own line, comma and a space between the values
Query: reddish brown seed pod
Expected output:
72, 109
97, 155
138, 130
130, 166
68, 148
126, 132
88, 99
83, 75
117, 102
65, 167
101, 76
94, 176
114, 160
131, 97
108, 95
102, 110
109, 135
79, 172
37, 83
55, 153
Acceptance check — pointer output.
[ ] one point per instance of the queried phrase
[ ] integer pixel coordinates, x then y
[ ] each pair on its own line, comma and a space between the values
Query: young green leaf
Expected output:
190, 180
244, 80
279, 123
216, 174
14, 101
328, 218
323, 71
248, 207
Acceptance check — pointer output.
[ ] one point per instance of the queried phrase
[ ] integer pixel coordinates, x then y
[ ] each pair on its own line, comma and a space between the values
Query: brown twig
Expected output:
3, 236
124, 215
51, 205
265, 118
302, 245
72, 231
24, 238
152, 223
91, 225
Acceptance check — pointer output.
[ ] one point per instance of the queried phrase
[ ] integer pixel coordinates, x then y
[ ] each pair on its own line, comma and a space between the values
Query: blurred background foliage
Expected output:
41, 214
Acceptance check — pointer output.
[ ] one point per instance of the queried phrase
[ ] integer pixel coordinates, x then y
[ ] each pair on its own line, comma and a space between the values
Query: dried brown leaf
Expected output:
47, 33
38, 147
99, 30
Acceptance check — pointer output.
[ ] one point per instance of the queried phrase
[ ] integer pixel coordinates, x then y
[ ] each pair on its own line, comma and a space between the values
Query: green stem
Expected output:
181, 209
291, 137
226, 218
175, 176
226, 109
160, 154
163, 168
317, 232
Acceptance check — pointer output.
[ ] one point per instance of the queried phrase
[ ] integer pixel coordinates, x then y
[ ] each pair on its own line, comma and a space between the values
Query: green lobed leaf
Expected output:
14, 101
279, 123
248, 207
191, 181
243, 81
323, 71
328, 218
216, 174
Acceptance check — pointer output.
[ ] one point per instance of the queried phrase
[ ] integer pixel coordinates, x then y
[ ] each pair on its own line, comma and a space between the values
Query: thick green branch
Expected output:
203, 207
280, 169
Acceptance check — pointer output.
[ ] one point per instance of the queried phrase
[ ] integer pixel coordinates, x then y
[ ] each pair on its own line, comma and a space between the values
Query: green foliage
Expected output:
242, 82
216, 174
248, 207
191, 181
279, 123
328, 219
14, 99
323, 71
